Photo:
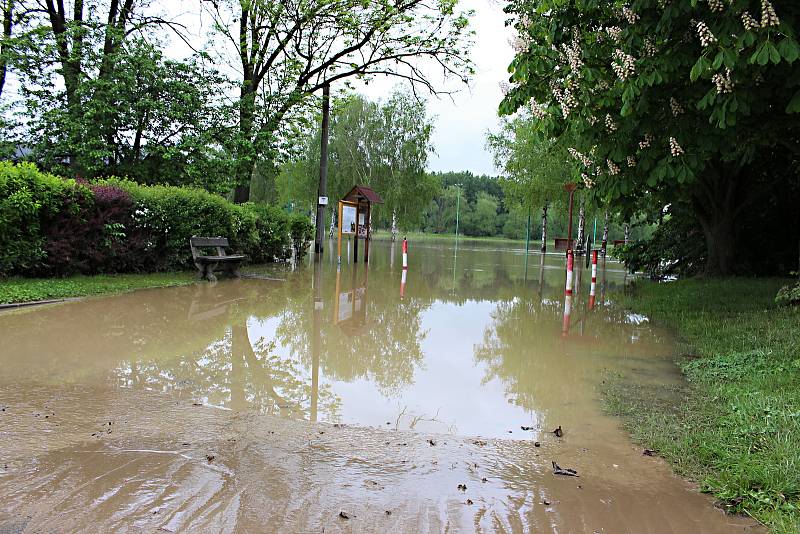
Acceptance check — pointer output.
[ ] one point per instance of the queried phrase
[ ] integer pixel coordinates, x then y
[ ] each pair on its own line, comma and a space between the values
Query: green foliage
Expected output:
382, 145
788, 295
736, 426
666, 103
39, 213
27, 199
302, 233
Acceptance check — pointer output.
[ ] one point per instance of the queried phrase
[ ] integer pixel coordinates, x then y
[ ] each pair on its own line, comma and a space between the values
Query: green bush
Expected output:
30, 201
53, 226
302, 233
788, 295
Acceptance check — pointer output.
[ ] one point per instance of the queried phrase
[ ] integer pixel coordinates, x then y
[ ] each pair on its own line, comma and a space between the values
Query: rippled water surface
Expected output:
273, 402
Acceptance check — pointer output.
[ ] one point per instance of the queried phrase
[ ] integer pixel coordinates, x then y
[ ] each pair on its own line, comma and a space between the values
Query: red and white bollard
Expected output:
593, 288
405, 253
403, 284
568, 294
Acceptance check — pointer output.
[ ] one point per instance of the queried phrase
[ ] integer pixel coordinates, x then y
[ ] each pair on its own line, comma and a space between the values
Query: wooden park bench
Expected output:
207, 263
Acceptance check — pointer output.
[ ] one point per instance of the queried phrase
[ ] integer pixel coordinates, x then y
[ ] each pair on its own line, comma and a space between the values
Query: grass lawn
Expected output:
14, 290
735, 426
384, 235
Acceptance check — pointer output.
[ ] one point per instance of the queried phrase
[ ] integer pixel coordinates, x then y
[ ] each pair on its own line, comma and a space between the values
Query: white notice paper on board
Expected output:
348, 219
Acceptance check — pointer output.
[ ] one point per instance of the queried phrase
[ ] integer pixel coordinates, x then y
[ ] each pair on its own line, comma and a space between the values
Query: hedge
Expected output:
56, 226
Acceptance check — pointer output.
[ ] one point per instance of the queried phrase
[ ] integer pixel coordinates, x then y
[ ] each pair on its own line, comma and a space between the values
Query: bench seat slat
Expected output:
219, 258
209, 241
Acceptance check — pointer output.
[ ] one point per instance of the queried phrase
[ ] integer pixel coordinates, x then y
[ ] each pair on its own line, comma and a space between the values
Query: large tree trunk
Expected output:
717, 208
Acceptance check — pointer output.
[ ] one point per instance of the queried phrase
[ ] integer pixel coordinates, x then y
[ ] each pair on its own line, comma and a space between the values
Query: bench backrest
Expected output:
196, 243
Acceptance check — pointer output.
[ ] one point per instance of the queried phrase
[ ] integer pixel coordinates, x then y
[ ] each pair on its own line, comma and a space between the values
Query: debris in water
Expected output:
388, 512
479, 443
462, 487
469, 501
527, 428
484, 480
545, 502
344, 515
648, 452
432, 443
197, 404
557, 470
537, 444
558, 432
210, 457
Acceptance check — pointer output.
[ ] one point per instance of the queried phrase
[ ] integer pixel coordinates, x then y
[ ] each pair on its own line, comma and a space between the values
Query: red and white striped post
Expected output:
568, 294
403, 284
593, 288
405, 253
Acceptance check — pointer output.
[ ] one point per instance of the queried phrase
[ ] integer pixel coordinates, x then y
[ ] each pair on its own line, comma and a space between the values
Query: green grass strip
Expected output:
735, 426
16, 290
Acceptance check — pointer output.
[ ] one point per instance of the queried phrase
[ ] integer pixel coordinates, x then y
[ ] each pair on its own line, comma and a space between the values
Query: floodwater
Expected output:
359, 399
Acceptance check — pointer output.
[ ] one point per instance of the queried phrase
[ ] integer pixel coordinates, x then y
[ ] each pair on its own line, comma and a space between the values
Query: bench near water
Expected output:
207, 263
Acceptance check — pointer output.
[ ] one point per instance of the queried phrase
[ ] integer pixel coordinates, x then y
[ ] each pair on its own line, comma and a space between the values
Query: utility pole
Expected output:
322, 197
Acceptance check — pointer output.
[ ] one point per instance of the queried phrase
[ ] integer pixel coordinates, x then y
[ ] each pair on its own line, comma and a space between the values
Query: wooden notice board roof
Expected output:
361, 192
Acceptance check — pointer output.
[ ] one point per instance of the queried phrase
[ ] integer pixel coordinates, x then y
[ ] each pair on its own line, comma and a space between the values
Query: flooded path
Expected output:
276, 403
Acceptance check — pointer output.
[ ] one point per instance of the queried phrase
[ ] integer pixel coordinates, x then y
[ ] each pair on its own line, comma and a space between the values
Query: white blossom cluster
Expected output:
572, 51
614, 32
662, 3
624, 65
519, 44
723, 82
565, 99
630, 15
585, 161
538, 110
645, 143
768, 16
675, 107
592, 120
587, 181
611, 126
706, 37
649, 47
749, 22
602, 85
674, 148
631, 161
716, 5
504, 87
613, 168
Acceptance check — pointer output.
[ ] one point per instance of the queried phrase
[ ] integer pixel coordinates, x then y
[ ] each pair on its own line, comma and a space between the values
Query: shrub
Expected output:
788, 295
302, 232
32, 204
55, 226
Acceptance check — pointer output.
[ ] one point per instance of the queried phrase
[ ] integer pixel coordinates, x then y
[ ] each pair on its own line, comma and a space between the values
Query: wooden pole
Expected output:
367, 220
355, 240
339, 244
323, 169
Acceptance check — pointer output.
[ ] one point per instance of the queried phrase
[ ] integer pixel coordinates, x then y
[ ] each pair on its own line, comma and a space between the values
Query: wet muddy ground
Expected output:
349, 400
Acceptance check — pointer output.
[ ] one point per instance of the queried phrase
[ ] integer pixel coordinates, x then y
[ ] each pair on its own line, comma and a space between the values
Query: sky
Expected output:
461, 123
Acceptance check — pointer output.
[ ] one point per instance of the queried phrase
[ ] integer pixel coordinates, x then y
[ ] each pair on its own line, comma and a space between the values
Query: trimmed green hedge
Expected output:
56, 226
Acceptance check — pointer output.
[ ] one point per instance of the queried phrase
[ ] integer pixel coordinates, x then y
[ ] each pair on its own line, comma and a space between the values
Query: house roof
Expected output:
360, 192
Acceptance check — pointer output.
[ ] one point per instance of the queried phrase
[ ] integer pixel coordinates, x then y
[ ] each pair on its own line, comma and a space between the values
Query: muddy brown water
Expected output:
285, 402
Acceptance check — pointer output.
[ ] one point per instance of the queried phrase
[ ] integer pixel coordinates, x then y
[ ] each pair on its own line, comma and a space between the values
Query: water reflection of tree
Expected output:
386, 351
524, 349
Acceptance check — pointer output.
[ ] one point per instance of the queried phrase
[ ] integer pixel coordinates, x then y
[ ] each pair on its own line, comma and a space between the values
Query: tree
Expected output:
287, 51
383, 145
668, 102
535, 167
